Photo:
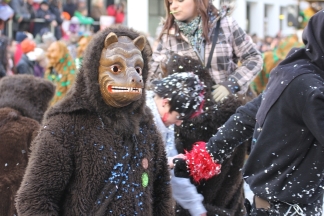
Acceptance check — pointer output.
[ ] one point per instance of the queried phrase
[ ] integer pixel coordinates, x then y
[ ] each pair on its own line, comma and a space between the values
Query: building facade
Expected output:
261, 17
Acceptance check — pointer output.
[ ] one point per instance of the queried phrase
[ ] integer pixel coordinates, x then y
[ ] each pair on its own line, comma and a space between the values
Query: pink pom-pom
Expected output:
200, 163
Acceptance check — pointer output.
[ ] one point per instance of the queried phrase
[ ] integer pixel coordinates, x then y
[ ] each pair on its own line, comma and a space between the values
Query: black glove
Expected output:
180, 168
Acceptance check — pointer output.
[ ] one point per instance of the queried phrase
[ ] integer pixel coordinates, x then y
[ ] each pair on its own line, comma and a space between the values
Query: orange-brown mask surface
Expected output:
120, 70
55, 52
82, 45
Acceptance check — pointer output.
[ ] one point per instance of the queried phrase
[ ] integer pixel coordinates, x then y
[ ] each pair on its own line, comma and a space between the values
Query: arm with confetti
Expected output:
204, 160
236, 130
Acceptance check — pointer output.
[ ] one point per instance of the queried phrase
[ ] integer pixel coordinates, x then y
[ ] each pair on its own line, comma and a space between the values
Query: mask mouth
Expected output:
121, 89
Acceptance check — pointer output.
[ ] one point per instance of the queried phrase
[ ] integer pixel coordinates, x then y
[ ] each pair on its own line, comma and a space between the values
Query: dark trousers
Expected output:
285, 209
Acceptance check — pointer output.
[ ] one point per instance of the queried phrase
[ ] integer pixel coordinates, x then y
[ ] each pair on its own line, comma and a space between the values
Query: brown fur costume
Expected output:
62, 74
223, 194
23, 101
88, 157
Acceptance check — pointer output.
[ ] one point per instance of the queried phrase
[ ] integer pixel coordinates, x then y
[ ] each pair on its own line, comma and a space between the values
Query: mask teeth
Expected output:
126, 89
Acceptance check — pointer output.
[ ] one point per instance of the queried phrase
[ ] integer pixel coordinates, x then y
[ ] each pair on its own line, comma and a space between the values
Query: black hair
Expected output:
184, 91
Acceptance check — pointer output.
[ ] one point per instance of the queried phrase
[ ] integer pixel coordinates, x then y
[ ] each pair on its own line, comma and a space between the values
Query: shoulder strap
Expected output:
213, 45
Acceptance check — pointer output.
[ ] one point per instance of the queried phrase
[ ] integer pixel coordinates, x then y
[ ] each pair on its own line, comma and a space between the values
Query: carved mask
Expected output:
54, 53
82, 45
120, 70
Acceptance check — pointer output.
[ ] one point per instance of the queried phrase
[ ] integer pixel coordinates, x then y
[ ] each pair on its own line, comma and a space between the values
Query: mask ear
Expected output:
139, 42
111, 38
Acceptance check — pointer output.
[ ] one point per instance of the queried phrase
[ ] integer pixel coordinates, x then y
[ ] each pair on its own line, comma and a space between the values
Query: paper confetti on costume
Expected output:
200, 163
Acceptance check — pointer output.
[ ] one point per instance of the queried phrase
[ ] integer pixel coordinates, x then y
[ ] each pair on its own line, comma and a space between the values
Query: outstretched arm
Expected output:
237, 129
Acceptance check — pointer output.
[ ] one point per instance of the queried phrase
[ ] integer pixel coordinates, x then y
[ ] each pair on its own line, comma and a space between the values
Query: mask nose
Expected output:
135, 78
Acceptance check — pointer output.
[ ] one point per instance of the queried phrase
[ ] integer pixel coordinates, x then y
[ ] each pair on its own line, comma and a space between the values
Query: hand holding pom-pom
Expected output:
200, 164
180, 168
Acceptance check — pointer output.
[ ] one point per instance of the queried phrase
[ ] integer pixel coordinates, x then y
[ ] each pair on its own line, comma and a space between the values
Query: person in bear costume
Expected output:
223, 194
99, 152
23, 102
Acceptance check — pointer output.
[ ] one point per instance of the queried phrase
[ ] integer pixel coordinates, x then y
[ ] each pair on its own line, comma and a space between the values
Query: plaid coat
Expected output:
232, 45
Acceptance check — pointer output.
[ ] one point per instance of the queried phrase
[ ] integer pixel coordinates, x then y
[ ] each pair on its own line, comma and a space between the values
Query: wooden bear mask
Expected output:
120, 70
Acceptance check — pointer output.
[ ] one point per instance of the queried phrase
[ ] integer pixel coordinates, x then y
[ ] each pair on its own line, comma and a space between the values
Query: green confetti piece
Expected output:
58, 93
65, 83
145, 179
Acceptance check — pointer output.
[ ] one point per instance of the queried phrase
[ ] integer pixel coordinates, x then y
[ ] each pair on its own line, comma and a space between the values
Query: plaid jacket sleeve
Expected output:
250, 57
160, 56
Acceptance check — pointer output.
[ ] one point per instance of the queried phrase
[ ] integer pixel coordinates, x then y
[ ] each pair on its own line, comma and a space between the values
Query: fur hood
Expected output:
85, 94
27, 94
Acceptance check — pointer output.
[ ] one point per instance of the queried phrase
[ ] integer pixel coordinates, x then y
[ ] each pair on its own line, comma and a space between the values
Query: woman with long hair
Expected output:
190, 29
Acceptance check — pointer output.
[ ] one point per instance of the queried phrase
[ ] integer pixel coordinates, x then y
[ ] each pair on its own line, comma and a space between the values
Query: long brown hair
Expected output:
202, 6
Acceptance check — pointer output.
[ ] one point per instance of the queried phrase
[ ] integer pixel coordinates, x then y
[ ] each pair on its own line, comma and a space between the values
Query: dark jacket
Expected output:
88, 155
42, 25
286, 161
23, 101
25, 66
56, 11
3, 71
20, 8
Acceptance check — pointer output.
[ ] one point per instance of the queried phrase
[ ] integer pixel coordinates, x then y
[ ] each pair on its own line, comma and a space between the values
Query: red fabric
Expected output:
36, 6
18, 54
111, 10
119, 16
27, 45
200, 108
200, 163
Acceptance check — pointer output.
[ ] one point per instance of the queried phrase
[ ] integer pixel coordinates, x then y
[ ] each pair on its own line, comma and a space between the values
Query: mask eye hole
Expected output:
115, 68
139, 70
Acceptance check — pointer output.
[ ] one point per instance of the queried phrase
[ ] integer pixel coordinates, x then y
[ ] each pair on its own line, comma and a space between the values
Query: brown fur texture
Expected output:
88, 155
27, 94
223, 194
23, 101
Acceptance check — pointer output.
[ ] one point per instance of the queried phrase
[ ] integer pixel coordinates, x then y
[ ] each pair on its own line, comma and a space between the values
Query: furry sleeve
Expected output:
47, 173
162, 203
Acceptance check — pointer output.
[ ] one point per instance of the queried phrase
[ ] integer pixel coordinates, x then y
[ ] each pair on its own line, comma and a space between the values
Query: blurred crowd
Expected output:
37, 24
